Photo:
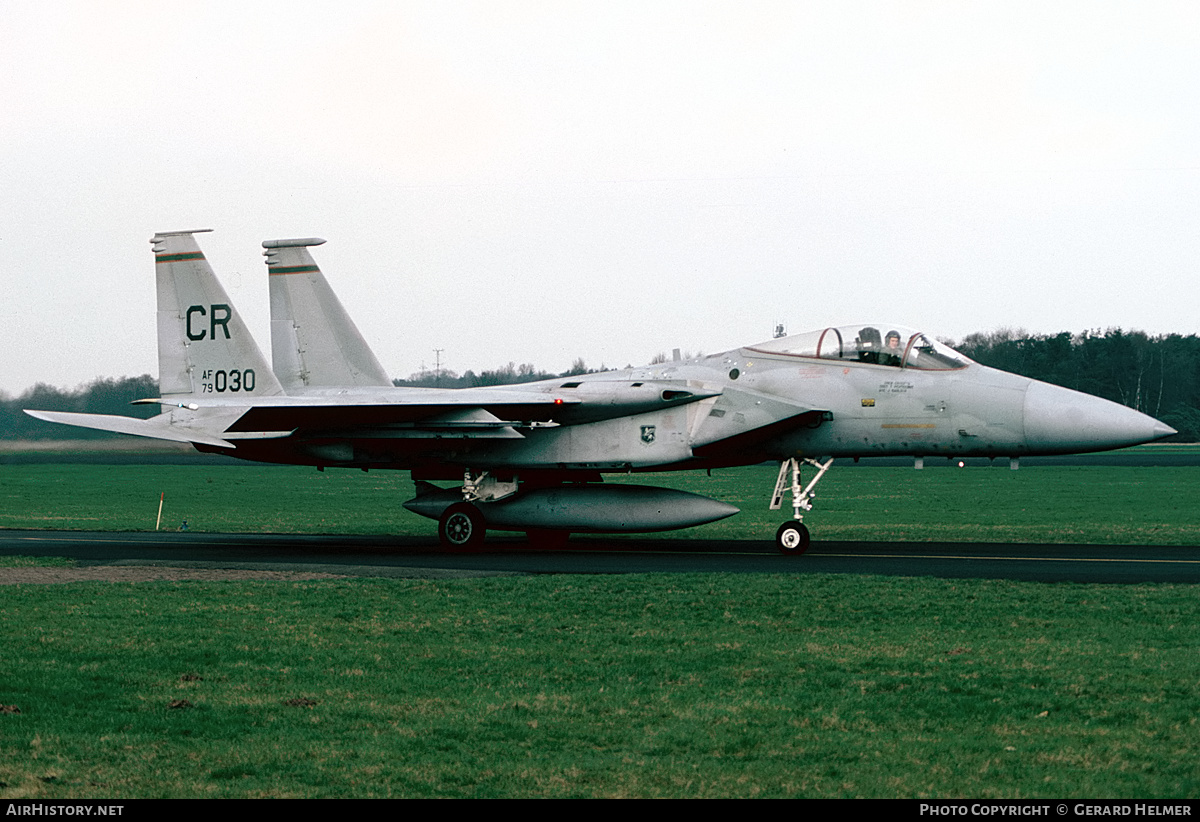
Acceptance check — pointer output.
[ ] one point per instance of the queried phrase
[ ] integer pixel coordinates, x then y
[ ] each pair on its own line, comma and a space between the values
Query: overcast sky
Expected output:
541, 181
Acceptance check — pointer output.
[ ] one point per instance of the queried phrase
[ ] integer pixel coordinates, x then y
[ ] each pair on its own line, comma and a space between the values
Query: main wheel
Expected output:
792, 538
461, 526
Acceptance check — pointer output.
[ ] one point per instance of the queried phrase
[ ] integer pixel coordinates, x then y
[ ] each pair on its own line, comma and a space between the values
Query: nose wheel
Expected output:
792, 538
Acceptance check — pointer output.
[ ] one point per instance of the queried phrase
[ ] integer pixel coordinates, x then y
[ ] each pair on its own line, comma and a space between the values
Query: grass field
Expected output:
1088, 504
559, 686
677, 685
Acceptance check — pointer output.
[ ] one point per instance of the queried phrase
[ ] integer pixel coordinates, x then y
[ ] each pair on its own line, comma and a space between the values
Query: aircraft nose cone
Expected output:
1162, 430
1061, 421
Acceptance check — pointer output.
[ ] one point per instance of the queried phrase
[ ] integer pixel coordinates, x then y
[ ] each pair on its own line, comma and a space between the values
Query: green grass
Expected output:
639, 686
36, 562
631, 686
1088, 504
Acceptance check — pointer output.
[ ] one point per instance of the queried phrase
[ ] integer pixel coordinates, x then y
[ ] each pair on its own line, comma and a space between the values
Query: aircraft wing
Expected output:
436, 413
397, 413
465, 409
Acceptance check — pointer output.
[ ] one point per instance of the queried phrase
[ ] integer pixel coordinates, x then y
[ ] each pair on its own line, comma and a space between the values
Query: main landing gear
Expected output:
793, 538
461, 526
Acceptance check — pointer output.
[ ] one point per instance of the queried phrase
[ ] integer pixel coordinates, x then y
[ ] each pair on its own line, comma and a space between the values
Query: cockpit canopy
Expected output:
890, 345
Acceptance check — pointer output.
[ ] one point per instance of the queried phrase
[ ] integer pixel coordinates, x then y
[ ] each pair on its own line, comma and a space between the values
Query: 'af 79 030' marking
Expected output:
222, 381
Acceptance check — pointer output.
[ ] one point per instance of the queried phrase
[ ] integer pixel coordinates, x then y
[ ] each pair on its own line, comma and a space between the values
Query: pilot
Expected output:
868, 345
891, 350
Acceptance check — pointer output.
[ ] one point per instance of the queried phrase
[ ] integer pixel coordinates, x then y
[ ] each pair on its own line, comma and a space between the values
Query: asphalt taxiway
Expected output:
383, 556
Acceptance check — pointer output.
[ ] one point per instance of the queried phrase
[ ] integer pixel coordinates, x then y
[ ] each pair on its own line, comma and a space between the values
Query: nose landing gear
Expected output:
793, 538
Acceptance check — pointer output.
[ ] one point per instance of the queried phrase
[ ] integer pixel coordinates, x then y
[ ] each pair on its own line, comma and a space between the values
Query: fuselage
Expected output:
790, 397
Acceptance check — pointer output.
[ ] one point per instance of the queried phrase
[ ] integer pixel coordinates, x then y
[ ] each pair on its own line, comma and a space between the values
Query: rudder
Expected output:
314, 342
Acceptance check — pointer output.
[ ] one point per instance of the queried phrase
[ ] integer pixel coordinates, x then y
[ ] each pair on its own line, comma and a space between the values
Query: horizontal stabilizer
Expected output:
154, 428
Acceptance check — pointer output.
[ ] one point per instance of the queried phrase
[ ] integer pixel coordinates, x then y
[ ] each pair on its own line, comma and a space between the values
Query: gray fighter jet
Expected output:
532, 457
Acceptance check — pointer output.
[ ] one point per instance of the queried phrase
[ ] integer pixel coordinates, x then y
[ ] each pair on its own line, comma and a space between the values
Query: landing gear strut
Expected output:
792, 538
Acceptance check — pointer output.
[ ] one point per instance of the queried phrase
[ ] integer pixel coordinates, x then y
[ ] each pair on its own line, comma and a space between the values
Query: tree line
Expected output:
102, 395
1158, 375
510, 374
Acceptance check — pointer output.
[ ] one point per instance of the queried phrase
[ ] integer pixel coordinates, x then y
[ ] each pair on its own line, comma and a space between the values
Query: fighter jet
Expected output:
532, 457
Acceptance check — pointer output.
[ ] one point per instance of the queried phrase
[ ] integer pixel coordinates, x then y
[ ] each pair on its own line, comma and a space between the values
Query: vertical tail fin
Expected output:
314, 343
204, 347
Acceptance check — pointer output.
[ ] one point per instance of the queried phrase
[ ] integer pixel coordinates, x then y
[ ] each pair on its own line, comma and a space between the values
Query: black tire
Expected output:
792, 538
461, 526
548, 540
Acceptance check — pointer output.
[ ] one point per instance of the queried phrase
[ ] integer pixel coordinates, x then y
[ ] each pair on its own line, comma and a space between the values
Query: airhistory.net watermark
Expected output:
51, 809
